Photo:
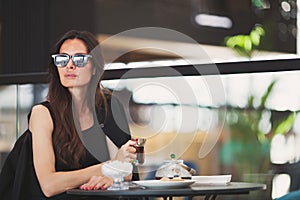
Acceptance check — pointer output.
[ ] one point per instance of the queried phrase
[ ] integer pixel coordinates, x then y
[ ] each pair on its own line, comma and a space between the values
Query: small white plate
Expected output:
217, 180
158, 184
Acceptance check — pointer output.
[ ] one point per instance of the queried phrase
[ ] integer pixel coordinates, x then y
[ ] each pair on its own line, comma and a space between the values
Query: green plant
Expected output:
248, 149
245, 44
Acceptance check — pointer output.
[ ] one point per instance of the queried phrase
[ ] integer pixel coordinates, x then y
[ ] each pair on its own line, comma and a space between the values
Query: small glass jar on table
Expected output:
117, 170
140, 150
174, 168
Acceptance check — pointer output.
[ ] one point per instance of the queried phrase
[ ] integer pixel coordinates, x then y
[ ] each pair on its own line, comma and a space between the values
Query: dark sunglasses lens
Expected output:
80, 60
61, 60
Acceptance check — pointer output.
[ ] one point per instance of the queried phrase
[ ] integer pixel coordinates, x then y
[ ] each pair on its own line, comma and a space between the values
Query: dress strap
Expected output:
47, 105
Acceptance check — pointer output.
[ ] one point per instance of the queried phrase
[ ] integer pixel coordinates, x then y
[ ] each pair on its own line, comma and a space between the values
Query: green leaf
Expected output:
243, 44
255, 38
260, 30
261, 137
247, 43
251, 101
234, 41
266, 94
286, 125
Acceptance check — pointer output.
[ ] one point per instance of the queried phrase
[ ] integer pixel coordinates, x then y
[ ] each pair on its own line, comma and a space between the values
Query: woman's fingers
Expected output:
104, 184
127, 152
97, 182
129, 146
130, 143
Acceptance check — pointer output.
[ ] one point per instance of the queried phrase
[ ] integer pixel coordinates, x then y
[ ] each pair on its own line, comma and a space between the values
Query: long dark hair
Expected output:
67, 144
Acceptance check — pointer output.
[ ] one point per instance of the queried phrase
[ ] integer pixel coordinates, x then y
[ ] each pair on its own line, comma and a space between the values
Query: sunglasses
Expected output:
79, 60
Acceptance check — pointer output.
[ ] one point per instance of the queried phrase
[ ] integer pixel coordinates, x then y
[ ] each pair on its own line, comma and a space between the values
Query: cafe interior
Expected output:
215, 83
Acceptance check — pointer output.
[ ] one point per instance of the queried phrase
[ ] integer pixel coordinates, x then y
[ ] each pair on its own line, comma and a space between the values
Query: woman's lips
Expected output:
70, 75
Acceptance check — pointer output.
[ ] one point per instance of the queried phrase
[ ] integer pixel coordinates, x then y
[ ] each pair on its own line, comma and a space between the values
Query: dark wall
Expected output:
30, 27
115, 16
24, 36
70, 14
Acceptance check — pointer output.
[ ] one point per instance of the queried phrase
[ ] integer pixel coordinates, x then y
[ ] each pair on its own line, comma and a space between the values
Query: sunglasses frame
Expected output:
86, 56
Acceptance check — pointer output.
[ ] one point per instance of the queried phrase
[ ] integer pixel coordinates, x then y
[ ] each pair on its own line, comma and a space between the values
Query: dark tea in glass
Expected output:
139, 146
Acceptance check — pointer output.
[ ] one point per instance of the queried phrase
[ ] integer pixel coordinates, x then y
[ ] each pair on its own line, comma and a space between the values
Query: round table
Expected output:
209, 191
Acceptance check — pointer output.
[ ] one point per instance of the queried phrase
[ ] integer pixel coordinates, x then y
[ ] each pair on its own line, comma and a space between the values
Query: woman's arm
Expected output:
52, 182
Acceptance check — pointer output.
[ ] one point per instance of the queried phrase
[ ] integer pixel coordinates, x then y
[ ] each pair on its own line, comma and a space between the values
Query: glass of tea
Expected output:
139, 146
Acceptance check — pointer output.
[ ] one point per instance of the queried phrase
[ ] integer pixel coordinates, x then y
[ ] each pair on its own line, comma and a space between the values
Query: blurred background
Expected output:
250, 130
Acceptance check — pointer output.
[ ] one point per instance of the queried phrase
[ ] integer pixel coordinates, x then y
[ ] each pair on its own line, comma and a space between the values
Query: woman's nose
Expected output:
70, 65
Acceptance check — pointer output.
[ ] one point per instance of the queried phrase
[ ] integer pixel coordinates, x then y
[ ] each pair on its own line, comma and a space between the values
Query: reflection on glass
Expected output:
157, 114
117, 170
15, 104
173, 122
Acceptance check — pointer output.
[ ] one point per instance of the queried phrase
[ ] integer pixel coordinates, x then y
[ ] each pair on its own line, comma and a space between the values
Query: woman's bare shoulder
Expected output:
40, 117
40, 110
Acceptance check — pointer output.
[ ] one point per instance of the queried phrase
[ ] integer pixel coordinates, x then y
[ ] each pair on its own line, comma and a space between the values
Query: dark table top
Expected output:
193, 190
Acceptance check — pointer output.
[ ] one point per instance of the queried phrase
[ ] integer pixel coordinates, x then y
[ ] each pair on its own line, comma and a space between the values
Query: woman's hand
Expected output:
127, 152
97, 182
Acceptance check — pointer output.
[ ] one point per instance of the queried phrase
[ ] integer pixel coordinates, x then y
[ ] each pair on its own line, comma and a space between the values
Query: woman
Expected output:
76, 112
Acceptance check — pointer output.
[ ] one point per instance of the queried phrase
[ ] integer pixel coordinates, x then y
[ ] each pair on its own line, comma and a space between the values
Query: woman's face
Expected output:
72, 76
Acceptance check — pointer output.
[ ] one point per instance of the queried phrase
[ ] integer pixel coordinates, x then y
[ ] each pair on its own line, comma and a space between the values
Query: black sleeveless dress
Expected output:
18, 179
